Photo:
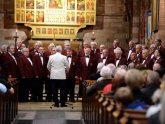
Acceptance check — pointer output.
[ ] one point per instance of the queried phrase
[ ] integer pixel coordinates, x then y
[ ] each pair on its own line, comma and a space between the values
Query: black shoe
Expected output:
56, 105
72, 100
63, 105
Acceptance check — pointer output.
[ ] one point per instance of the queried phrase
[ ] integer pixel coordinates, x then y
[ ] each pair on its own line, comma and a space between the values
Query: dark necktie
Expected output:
87, 56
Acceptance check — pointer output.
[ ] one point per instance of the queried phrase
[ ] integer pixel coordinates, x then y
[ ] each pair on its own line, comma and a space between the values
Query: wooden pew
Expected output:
9, 104
134, 117
87, 102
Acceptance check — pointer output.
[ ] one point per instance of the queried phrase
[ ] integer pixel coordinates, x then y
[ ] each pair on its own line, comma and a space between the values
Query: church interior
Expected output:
112, 69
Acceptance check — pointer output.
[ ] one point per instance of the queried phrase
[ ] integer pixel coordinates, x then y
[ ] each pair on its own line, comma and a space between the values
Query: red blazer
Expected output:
94, 53
108, 60
39, 69
73, 67
148, 63
32, 53
136, 62
112, 54
160, 61
46, 56
10, 66
127, 52
86, 71
25, 68
122, 61
139, 57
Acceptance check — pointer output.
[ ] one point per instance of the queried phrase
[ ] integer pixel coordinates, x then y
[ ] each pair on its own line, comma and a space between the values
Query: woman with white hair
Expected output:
97, 75
106, 78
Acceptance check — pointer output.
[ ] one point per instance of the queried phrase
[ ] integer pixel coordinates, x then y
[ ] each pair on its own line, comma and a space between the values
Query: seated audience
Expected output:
8, 86
152, 83
101, 82
3, 88
97, 75
133, 79
125, 100
155, 109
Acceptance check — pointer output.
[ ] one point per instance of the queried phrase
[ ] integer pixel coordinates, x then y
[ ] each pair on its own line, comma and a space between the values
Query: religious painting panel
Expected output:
40, 4
29, 4
22, 16
30, 16
80, 4
22, 2
40, 16
18, 4
71, 17
56, 4
80, 17
50, 31
43, 30
71, 4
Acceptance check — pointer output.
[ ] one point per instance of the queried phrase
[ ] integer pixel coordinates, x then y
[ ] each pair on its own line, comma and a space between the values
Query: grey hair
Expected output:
157, 95
50, 46
58, 48
112, 67
39, 43
138, 45
131, 66
24, 49
133, 78
66, 42
100, 66
153, 77
106, 72
118, 49
120, 72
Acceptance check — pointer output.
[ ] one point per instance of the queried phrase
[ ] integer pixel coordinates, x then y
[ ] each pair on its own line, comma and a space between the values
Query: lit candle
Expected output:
31, 32
93, 33
16, 32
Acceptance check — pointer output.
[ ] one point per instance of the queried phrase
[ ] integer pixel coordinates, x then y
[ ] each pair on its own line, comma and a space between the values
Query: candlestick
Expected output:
16, 32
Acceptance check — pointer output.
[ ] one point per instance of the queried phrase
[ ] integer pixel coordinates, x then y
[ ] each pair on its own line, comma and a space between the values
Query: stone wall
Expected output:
161, 31
114, 24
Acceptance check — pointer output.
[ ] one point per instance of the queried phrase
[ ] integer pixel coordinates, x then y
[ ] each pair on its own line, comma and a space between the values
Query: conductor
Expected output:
58, 65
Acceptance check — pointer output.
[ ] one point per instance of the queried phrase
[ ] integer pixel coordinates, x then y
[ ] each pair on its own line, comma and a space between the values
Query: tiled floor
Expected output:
48, 117
41, 113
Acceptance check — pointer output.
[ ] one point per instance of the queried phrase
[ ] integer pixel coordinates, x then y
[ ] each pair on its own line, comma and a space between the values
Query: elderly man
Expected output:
51, 50
82, 51
10, 66
57, 65
66, 46
130, 50
119, 59
94, 49
147, 62
26, 70
106, 58
39, 73
139, 52
116, 43
87, 66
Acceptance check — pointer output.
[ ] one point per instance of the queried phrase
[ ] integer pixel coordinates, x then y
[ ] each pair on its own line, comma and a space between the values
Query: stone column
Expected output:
161, 28
136, 20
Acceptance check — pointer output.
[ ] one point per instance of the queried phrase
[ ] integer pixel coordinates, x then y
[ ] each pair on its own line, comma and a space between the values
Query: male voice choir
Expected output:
57, 68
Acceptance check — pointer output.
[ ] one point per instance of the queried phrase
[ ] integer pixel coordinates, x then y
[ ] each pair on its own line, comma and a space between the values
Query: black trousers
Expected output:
37, 89
70, 87
25, 87
48, 89
56, 85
